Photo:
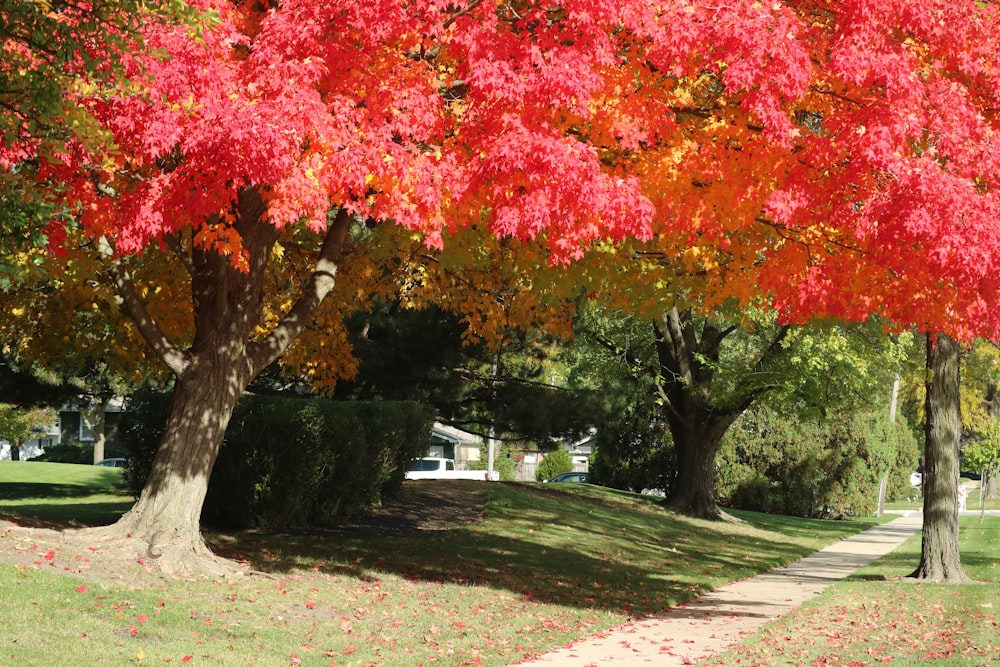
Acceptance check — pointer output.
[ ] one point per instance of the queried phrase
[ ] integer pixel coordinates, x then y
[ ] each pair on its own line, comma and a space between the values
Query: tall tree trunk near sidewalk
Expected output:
939, 554
226, 354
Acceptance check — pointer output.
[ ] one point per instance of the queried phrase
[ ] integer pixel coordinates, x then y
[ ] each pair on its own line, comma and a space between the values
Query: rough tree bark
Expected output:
698, 419
939, 555
211, 375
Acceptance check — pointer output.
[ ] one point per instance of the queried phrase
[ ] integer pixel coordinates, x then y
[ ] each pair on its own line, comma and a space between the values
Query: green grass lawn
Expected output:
546, 566
72, 494
876, 618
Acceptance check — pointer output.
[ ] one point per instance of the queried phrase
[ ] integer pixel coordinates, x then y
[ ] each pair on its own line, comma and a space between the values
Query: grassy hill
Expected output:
543, 566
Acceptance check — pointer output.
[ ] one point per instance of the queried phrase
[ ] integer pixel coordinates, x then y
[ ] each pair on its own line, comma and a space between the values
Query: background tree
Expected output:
701, 374
803, 463
553, 464
18, 424
983, 456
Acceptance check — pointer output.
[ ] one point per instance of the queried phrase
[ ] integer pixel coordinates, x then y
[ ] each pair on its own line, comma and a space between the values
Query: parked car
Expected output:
114, 462
432, 467
576, 477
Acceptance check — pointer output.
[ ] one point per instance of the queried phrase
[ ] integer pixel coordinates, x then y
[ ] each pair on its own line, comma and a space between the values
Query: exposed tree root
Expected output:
174, 554
709, 512
924, 576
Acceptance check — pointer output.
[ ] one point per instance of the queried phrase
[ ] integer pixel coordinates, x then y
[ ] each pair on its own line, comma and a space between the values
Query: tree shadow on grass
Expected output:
555, 548
26, 490
60, 517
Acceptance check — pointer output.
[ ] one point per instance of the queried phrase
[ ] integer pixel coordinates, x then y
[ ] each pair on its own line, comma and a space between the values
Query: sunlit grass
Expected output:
876, 617
546, 566
65, 493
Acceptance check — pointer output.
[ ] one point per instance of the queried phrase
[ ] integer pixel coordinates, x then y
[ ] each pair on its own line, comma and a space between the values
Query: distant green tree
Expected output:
18, 424
813, 466
692, 377
982, 454
555, 463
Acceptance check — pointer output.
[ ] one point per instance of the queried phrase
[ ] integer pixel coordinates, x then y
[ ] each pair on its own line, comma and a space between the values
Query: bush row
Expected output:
291, 463
782, 464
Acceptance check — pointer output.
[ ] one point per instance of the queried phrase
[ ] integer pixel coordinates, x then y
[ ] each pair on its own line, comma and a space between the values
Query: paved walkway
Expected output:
722, 618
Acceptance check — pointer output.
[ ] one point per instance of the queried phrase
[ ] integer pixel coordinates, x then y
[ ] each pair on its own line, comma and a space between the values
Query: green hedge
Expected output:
292, 462
815, 468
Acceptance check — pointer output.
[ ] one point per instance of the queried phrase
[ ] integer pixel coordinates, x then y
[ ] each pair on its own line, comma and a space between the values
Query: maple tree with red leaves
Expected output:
837, 155
904, 146
880, 201
310, 120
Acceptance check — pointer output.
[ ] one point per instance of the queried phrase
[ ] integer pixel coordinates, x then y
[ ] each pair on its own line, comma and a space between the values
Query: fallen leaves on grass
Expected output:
878, 628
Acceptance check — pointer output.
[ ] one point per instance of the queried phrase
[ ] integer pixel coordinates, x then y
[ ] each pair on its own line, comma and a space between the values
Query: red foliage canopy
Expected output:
901, 171
877, 167
432, 114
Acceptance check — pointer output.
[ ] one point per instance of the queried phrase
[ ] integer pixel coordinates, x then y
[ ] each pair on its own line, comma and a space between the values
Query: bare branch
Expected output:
462, 12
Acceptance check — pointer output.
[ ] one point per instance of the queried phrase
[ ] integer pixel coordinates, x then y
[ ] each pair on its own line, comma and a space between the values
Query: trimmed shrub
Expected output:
290, 462
555, 463
70, 452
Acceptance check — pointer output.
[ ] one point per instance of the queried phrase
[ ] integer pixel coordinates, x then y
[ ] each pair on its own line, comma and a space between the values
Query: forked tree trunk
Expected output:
697, 418
939, 555
226, 354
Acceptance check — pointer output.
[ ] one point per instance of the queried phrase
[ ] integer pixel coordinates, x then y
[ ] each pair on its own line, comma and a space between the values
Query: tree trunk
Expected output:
696, 441
226, 354
991, 490
167, 516
15, 450
939, 557
94, 418
687, 356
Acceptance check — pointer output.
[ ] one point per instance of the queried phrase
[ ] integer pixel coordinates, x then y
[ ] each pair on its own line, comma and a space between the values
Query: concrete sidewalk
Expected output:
722, 618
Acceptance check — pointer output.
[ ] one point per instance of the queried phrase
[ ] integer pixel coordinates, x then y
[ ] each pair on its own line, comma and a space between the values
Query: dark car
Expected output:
578, 477
111, 463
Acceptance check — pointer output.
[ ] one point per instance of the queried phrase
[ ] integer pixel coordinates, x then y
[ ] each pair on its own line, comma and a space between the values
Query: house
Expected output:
34, 447
528, 458
74, 424
82, 423
453, 443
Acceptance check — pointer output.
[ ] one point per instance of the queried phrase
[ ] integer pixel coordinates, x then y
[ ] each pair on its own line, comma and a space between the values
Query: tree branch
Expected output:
182, 254
265, 352
460, 13
135, 308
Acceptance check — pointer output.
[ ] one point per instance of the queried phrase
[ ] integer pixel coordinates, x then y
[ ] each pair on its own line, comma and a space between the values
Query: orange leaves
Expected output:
221, 238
